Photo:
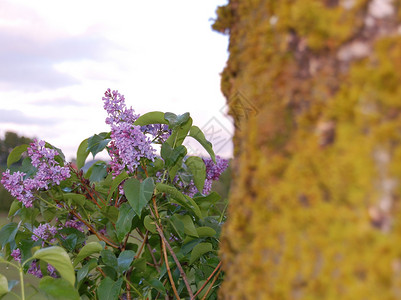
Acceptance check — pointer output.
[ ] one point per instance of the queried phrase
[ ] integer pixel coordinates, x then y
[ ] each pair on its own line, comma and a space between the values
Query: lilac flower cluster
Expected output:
75, 223
129, 144
18, 187
46, 232
49, 173
16, 254
34, 268
114, 104
159, 132
213, 172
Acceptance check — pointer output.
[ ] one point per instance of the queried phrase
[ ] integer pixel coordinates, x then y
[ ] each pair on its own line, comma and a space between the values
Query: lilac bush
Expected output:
141, 225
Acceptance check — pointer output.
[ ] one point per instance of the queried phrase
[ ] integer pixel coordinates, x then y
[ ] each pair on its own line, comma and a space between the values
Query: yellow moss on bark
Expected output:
314, 89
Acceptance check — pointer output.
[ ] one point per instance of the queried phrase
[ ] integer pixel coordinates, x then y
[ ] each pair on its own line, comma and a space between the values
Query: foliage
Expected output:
142, 226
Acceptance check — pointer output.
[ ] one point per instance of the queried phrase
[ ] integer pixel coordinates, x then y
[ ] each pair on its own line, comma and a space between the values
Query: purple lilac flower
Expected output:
16, 254
52, 271
129, 144
114, 104
213, 172
34, 269
75, 223
46, 232
19, 188
159, 132
207, 187
49, 173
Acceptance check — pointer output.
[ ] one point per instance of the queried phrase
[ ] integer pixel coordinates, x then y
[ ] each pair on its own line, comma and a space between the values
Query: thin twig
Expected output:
145, 239
99, 236
211, 285
170, 276
207, 280
157, 266
128, 291
101, 272
177, 262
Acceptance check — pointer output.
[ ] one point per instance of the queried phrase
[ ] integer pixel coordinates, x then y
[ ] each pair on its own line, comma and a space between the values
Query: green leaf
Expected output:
179, 198
82, 153
149, 224
88, 249
111, 213
58, 289
58, 258
124, 260
171, 119
109, 289
7, 233
178, 226
158, 285
70, 242
172, 156
98, 142
15, 206
189, 226
3, 285
199, 250
198, 135
98, 171
124, 222
15, 154
166, 152
81, 273
111, 231
77, 199
139, 193
154, 117
155, 166
213, 197
175, 121
179, 134
181, 119
109, 258
206, 231
26, 249
174, 169
139, 264
197, 167
116, 182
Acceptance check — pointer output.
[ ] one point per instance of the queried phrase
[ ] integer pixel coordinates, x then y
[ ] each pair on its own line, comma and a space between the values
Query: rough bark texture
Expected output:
314, 88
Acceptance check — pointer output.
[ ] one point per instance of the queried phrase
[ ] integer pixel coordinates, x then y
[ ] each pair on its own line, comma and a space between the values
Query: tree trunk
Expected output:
314, 88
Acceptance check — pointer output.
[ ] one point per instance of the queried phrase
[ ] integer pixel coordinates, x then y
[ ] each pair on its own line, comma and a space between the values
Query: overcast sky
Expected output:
58, 57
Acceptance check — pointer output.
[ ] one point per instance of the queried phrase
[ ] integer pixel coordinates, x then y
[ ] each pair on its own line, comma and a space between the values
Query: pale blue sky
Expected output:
58, 57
